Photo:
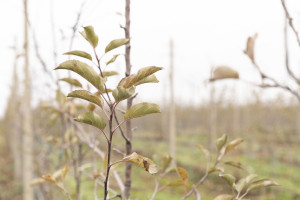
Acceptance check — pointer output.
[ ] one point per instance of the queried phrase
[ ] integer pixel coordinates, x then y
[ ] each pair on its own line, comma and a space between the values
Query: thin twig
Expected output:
290, 19
275, 84
122, 132
202, 179
287, 63
118, 126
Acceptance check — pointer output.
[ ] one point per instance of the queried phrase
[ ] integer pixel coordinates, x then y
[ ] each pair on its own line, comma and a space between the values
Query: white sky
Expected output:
205, 33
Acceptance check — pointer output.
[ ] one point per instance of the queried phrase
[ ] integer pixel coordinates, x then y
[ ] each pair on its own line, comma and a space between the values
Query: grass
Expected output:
278, 165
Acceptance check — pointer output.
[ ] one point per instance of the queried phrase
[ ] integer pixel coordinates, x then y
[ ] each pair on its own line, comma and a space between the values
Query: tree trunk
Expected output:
128, 144
15, 140
27, 126
172, 118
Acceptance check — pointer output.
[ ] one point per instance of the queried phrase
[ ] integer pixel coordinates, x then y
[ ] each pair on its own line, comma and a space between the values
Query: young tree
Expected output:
27, 120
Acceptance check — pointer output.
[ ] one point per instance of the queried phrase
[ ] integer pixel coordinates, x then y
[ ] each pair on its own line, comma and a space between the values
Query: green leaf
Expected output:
71, 81
91, 107
175, 183
110, 73
90, 35
113, 59
82, 54
224, 72
205, 152
229, 179
149, 79
233, 144
60, 97
91, 118
116, 43
85, 71
183, 174
224, 197
234, 164
86, 95
216, 169
262, 183
141, 109
221, 142
166, 161
143, 162
244, 181
120, 93
139, 76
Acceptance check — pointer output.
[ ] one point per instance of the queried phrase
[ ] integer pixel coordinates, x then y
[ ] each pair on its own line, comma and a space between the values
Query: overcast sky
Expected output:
206, 33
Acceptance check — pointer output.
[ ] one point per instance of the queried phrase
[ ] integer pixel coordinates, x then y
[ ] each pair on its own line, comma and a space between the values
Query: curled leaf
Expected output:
136, 79
116, 43
86, 95
234, 164
262, 183
183, 174
233, 144
149, 79
143, 162
221, 142
60, 97
244, 182
205, 152
166, 161
121, 93
141, 109
92, 119
250, 46
90, 35
110, 73
85, 71
229, 179
224, 72
82, 54
71, 81
113, 59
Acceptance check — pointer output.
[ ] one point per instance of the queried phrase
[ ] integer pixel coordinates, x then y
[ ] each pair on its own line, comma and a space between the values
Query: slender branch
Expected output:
202, 179
157, 183
109, 145
107, 117
105, 135
122, 132
64, 190
275, 84
116, 196
287, 63
101, 73
290, 19
118, 126
112, 164
99, 183
95, 168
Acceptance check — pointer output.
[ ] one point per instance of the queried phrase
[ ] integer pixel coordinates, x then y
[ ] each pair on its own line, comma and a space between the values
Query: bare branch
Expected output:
287, 63
290, 19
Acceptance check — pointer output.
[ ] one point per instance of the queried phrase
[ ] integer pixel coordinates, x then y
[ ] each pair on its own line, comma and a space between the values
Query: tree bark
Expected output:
27, 121
128, 149
172, 117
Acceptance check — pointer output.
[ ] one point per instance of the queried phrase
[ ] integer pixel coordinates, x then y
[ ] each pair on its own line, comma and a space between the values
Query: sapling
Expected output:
110, 98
